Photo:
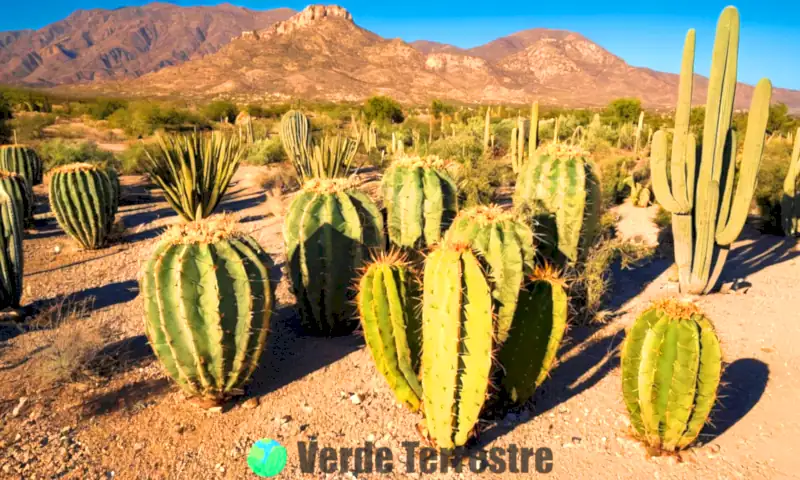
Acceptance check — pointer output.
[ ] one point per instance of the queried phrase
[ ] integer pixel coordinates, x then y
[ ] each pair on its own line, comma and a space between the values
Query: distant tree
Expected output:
439, 108
221, 110
779, 119
383, 109
104, 107
256, 111
623, 110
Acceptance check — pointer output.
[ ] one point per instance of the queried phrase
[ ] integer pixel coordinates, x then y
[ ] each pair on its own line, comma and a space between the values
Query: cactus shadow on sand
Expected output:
759, 252
126, 397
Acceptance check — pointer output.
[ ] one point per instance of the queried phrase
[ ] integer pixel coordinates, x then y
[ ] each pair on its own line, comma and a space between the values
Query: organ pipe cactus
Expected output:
295, 136
22, 160
790, 204
386, 296
82, 197
11, 255
518, 145
533, 136
671, 364
328, 231
487, 124
208, 300
560, 188
505, 245
421, 200
20, 192
330, 158
707, 213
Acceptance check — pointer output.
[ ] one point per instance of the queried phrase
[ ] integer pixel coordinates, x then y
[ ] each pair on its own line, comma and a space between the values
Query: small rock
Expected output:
57, 249
576, 440
306, 407
356, 399
18, 408
138, 447
283, 420
250, 403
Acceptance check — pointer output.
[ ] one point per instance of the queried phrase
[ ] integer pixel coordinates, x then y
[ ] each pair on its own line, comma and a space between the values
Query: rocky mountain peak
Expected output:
311, 15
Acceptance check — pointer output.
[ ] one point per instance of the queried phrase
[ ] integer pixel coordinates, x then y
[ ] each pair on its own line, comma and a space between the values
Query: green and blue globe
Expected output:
267, 458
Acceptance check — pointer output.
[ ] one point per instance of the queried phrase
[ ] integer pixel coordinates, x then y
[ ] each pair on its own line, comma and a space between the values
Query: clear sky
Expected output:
644, 33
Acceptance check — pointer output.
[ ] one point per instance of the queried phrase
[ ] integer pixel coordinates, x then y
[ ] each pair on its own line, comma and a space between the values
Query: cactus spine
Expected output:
671, 364
22, 160
457, 335
11, 255
82, 197
20, 192
208, 301
391, 326
707, 213
421, 200
328, 231
790, 205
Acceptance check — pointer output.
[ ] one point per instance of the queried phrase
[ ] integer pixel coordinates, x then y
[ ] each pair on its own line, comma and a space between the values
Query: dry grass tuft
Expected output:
206, 231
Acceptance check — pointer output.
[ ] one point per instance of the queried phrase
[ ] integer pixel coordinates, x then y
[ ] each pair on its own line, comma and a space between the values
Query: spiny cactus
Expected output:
671, 364
457, 343
11, 255
638, 136
22, 160
487, 125
20, 192
533, 136
328, 231
330, 158
790, 204
295, 136
518, 137
506, 246
640, 193
82, 197
560, 184
707, 213
420, 198
208, 300
386, 296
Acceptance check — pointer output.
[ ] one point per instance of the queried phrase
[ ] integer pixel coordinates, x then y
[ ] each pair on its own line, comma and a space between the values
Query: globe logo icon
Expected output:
267, 458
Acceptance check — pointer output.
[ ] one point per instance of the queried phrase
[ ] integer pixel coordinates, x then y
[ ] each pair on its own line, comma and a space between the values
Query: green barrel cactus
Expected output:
707, 212
790, 204
329, 231
207, 300
20, 192
671, 367
386, 295
457, 343
540, 321
11, 255
22, 160
505, 245
421, 200
83, 199
560, 189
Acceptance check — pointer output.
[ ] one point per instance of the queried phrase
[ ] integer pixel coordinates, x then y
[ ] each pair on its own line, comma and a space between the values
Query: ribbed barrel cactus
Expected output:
457, 343
20, 192
208, 300
790, 204
11, 255
707, 212
505, 245
82, 197
329, 230
22, 160
421, 200
671, 366
560, 189
386, 305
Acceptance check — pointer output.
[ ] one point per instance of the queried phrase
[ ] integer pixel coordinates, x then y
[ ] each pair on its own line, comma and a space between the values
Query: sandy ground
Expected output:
129, 421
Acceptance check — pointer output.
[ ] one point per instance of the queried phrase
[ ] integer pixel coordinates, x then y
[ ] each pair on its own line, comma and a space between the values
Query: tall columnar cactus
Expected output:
386, 296
457, 343
790, 204
20, 192
707, 213
82, 197
518, 145
506, 246
638, 136
295, 136
560, 186
487, 124
533, 136
208, 300
420, 198
671, 364
329, 230
22, 160
11, 256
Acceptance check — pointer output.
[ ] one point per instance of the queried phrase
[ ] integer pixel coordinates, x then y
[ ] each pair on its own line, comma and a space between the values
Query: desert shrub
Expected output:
769, 189
31, 126
613, 173
623, 110
58, 152
220, 111
143, 118
462, 148
663, 218
103, 108
383, 109
478, 180
263, 152
133, 161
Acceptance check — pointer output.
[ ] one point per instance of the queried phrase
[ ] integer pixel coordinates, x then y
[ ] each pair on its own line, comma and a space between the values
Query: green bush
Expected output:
58, 152
383, 109
133, 161
30, 126
143, 118
623, 110
221, 110
769, 189
613, 173
263, 152
103, 108
464, 147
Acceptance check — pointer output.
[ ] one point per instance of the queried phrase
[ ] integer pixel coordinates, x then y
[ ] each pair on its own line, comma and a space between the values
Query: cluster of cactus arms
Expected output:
83, 198
331, 158
790, 204
671, 365
420, 198
329, 230
707, 212
195, 171
24, 161
386, 300
640, 193
560, 189
208, 301
11, 255
295, 136
20, 192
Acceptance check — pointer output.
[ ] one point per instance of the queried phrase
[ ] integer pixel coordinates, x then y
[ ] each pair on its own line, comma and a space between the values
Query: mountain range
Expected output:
321, 53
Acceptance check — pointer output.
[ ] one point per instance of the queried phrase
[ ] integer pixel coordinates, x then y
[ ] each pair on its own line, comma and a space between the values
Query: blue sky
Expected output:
648, 34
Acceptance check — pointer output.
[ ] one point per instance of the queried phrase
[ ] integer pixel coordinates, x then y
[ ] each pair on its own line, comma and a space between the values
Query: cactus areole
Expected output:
208, 301
709, 201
